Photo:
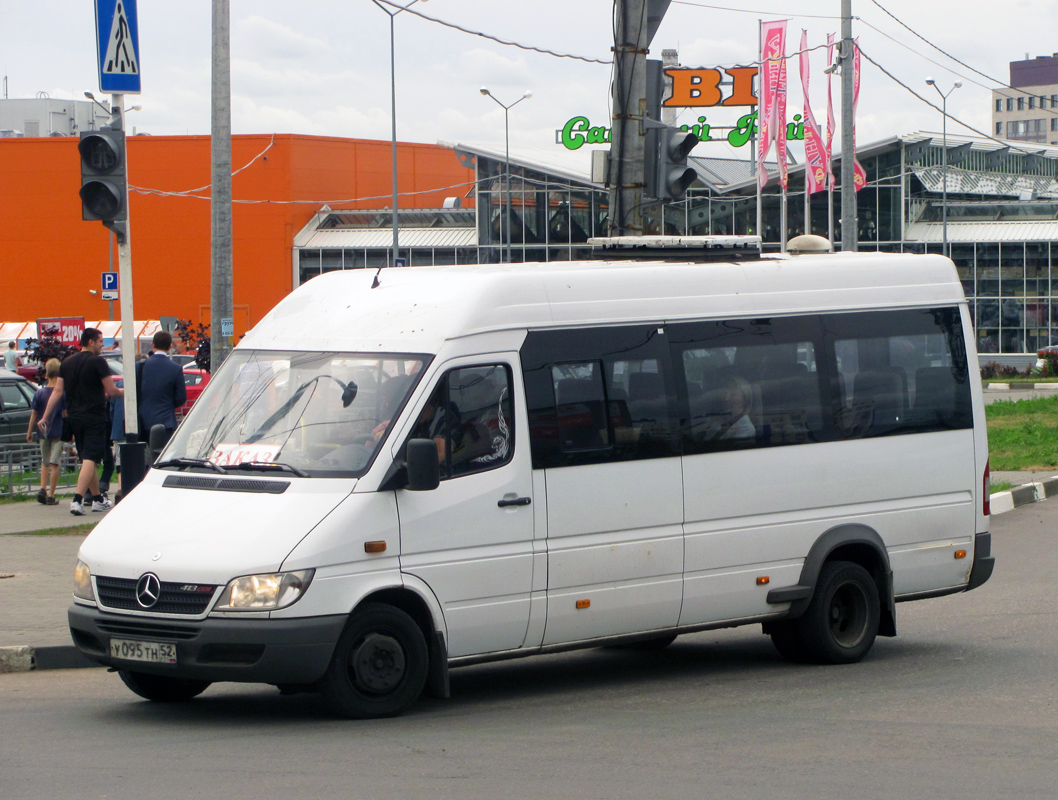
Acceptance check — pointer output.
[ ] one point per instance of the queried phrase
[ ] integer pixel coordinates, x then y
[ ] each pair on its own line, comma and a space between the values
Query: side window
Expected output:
899, 372
12, 399
470, 418
749, 383
598, 395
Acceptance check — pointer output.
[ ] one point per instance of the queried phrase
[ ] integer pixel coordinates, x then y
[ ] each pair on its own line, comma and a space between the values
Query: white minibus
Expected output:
470, 463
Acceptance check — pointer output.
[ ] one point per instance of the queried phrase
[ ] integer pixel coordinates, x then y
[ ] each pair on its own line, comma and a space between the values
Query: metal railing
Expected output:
20, 469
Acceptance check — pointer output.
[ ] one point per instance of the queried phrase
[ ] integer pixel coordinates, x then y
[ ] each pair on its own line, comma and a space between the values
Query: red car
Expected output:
195, 380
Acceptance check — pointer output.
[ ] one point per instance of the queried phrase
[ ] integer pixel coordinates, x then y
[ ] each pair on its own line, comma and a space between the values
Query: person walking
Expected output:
11, 357
160, 388
85, 381
51, 439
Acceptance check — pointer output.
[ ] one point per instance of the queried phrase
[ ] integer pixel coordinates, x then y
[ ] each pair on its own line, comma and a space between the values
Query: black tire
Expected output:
379, 665
162, 689
841, 622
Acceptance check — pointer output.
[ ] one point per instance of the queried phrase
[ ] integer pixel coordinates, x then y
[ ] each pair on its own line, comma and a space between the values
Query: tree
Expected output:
47, 347
196, 340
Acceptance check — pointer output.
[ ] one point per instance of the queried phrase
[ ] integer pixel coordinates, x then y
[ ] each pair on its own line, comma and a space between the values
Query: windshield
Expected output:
318, 414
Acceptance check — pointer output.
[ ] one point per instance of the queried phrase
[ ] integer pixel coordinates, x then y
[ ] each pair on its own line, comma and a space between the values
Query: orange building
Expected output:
50, 258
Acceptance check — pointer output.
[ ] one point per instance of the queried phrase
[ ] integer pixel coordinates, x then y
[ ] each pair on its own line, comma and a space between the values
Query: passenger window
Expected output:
604, 394
900, 372
469, 417
750, 383
12, 398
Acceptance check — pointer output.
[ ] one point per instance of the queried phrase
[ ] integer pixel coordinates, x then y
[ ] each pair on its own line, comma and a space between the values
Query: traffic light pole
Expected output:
133, 455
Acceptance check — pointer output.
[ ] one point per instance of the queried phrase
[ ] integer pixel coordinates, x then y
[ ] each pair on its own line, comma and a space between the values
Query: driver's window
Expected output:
469, 417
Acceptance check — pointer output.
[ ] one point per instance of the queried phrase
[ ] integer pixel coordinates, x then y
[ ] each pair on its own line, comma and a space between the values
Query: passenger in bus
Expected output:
738, 397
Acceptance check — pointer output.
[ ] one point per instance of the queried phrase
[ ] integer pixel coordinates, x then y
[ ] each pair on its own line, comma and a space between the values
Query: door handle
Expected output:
514, 501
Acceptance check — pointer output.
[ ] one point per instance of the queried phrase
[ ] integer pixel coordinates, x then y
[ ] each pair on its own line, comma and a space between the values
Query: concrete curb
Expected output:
1002, 386
1036, 492
23, 658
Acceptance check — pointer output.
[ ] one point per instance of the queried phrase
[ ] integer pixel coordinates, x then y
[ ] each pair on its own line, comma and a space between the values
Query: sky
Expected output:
322, 67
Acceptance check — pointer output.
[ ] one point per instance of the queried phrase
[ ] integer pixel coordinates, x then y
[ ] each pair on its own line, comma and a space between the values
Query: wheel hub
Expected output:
378, 663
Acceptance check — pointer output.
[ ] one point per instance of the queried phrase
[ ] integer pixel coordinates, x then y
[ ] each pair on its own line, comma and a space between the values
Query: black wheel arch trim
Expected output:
852, 538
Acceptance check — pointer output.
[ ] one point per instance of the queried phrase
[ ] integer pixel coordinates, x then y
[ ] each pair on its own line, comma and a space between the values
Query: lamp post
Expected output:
393, 108
507, 148
944, 157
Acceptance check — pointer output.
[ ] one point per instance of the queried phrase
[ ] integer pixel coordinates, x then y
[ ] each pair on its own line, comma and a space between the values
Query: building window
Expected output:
999, 127
1010, 104
1032, 104
1021, 104
1043, 101
1054, 123
999, 105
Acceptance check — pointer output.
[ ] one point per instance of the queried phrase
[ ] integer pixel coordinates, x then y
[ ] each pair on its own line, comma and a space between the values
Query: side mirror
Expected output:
158, 438
424, 471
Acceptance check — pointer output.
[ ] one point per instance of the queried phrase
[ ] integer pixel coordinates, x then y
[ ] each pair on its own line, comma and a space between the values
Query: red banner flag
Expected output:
860, 178
780, 126
773, 50
815, 150
830, 113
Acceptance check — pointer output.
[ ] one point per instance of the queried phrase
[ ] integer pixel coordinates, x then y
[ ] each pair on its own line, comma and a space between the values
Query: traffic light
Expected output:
104, 183
675, 176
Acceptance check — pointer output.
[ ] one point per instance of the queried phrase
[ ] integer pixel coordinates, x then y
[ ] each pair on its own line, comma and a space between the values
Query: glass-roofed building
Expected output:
1002, 228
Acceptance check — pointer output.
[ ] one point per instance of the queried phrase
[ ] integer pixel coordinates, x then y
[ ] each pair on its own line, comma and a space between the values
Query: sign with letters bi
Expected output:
118, 46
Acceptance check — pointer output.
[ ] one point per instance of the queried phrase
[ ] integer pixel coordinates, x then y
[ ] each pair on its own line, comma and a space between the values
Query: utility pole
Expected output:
627, 142
849, 223
220, 158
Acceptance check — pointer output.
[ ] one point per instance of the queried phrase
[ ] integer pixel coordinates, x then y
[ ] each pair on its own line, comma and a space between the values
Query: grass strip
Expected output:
1023, 434
68, 530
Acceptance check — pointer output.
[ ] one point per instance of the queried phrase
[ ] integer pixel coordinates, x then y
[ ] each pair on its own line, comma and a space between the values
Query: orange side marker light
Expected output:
763, 580
374, 547
583, 604
960, 554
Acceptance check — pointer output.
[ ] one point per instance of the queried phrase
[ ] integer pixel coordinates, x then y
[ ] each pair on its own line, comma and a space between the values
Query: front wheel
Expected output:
379, 665
160, 688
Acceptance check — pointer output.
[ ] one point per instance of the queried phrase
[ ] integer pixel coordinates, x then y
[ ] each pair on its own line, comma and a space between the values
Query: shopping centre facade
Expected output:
319, 203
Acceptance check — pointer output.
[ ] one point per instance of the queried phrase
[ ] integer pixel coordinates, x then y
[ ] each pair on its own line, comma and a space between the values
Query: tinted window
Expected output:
749, 383
469, 417
899, 372
603, 394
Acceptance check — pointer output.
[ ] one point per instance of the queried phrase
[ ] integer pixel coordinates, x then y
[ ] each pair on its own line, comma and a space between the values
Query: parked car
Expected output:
183, 359
26, 368
195, 380
16, 393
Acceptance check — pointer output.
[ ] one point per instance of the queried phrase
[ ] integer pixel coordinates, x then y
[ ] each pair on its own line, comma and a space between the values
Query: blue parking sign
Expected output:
110, 281
118, 45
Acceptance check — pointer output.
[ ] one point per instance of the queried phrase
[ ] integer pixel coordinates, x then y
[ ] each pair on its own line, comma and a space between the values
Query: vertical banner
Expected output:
773, 48
815, 151
780, 125
860, 177
831, 126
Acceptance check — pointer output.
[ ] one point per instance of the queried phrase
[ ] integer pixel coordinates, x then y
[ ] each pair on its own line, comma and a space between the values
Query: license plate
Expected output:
153, 652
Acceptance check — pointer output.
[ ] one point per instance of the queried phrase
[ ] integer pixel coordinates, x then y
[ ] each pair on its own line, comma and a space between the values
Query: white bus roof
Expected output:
415, 310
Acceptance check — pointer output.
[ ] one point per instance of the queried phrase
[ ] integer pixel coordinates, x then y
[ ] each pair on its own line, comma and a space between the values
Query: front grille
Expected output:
156, 630
225, 484
175, 598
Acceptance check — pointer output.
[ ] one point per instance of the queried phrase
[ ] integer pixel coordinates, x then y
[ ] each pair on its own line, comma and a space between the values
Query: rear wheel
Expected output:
841, 621
379, 666
160, 688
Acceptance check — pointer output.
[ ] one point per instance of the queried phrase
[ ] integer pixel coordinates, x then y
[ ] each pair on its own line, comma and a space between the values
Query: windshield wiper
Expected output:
268, 466
190, 462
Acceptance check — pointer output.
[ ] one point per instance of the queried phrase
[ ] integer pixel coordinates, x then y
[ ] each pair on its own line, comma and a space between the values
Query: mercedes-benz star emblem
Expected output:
148, 590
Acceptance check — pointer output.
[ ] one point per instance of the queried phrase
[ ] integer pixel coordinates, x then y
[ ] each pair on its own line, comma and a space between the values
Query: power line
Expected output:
496, 39
783, 14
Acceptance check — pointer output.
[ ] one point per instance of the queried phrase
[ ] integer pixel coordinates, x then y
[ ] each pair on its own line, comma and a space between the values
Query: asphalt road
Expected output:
963, 704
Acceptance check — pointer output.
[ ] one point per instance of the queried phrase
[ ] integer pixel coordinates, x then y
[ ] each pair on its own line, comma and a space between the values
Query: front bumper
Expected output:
274, 651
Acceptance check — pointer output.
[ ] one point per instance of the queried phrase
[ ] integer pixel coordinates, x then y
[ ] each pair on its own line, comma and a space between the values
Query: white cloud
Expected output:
265, 39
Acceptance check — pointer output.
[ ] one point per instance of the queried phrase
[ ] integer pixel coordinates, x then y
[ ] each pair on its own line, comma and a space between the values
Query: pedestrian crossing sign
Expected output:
118, 40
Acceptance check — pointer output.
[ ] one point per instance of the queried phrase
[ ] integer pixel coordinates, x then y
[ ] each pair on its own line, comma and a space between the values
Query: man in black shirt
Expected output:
85, 380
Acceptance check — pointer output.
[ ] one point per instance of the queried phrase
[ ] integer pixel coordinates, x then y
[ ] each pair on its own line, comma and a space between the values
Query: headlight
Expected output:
82, 582
264, 592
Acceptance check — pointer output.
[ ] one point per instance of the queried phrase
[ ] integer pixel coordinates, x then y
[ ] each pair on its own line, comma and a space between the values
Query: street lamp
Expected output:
507, 145
393, 107
944, 157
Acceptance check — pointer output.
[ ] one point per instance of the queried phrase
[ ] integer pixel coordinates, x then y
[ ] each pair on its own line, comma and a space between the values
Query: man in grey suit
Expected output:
161, 389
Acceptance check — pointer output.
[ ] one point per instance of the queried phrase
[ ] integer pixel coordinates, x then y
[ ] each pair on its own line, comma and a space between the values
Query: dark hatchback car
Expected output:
16, 393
